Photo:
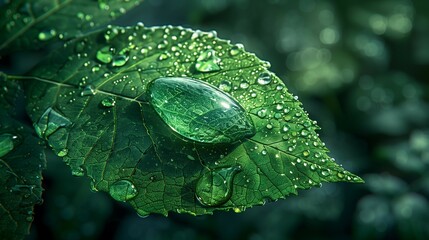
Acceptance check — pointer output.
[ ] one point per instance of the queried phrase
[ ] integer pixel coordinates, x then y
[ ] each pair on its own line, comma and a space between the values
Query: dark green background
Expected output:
361, 70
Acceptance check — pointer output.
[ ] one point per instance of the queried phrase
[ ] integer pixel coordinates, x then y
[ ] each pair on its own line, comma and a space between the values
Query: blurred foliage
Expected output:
361, 70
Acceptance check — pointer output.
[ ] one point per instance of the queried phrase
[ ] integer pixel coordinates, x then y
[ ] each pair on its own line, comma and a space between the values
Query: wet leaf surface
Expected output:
95, 102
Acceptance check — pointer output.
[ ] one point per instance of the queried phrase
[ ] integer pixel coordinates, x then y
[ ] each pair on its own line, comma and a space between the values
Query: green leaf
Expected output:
9, 92
102, 113
27, 24
22, 160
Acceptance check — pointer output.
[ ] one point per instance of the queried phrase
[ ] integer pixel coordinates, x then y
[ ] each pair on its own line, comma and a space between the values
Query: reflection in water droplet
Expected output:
264, 78
120, 60
104, 55
198, 111
6, 144
108, 102
50, 122
208, 61
215, 187
123, 190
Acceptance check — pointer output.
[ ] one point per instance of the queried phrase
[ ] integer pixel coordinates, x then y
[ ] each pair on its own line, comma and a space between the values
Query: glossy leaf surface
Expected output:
115, 136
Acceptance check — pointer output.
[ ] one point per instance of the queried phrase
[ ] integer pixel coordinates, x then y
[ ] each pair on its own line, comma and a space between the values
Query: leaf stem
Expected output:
17, 77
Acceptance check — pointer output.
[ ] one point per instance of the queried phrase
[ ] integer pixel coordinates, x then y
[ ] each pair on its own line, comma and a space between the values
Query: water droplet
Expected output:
325, 173
62, 152
304, 133
93, 186
89, 90
306, 153
285, 128
236, 49
50, 122
208, 61
108, 102
95, 69
162, 45
244, 85
6, 144
340, 175
264, 152
264, 78
123, 190
269, 126
225, 86
162, 56
141, 213
77, 171
214, 188
104, 55
262, 113
121, 59
237, 210
47, 34
144, 51
198, 111
111, 33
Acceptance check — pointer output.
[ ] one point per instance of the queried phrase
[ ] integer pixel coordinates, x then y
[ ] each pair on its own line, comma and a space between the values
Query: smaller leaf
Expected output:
33, 24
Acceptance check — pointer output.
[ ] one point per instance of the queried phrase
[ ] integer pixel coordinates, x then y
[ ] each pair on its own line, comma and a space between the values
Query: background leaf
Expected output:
128, 150
22, 160
27, 24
